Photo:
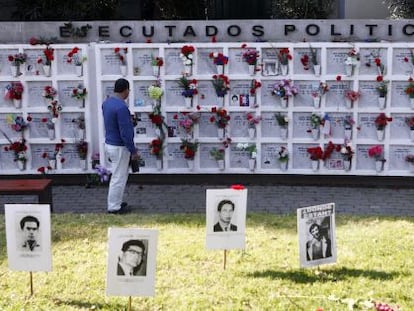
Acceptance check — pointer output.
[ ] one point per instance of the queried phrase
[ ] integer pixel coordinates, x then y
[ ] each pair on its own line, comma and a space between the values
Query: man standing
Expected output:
319, 246
225, 210
131, 261
119, 144
30, 228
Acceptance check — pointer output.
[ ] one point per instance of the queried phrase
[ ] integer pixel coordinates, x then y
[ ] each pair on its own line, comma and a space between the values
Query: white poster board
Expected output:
131, 262
316, 230
226, 209
28, 237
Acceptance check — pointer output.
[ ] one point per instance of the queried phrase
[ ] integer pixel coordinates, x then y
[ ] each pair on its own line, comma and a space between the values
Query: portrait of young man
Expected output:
29, 226
131, 262
225, 210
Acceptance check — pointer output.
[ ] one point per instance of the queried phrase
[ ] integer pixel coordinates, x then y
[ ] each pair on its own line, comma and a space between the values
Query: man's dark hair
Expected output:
223, 202
30, 219
129, 243
121, 85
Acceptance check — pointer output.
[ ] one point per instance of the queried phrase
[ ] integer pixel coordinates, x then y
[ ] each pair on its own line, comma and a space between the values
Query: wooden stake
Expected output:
129, 303
31, 283
225, 258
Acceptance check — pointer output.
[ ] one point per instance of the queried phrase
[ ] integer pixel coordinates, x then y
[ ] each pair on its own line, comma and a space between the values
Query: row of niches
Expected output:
335, 94
35, 126
32, 61
276, 156
281, 125
268, 61
71, 94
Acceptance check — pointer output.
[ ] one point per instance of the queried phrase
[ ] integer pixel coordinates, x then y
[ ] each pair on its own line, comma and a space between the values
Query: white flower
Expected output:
188, 62
343, 150
254, 155
242, 146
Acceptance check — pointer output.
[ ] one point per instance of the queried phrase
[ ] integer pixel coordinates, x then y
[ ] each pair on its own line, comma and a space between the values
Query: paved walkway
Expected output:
191, 199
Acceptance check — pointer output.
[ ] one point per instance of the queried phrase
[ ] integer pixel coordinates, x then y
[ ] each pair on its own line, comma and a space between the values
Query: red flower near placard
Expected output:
237, 187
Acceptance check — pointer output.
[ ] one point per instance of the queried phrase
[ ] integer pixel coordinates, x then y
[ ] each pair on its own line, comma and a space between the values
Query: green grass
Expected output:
375, 260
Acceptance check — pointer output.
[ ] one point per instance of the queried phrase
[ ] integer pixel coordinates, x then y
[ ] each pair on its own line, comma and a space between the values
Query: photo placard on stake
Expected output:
28, 237
131, 262
226, 218
316, 231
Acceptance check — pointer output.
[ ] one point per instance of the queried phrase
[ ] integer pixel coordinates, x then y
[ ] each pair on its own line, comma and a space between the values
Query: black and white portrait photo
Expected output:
131, 262
316, 227
225, 218
28, 236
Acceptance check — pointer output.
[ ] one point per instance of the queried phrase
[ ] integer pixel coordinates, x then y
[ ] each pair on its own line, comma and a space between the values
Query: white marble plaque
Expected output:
110, 62
141, 59
304, 97
144, 128
173, 95
238, 124
38, 128
335, 97
6, 128
335, 60
148, 160
398, 128
301, 124
176, 156
398, 96
68, 128
34, 91
366, 125
269, 155
65, 91
369, 94
37, 150
5, 103
71, 156
236, 64
173, 63
364, 162
300, 156
397, 157
402, 62
269, 126
4, 61
205, 64
238, 158
141, 96
206, 160
207, 128
207, 95
268, 99
7, 158
368, 66
61, 57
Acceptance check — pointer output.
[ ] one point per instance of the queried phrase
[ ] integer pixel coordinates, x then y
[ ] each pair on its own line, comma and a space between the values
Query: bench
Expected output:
40, 187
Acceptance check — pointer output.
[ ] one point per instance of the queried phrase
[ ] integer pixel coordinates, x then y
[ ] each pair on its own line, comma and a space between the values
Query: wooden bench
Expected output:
40, 187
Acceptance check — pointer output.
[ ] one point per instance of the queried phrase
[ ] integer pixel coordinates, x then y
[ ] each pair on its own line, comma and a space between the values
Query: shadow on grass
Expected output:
89, 305
333, 275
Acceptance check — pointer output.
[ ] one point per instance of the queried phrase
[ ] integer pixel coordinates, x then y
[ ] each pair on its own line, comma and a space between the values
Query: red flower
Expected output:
338, 78
380, 78
237, 187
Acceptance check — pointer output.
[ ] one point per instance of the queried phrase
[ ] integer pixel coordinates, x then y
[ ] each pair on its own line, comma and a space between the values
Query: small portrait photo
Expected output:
132, 258
141, 131
225, 212
28, 235
235, 100
318, 244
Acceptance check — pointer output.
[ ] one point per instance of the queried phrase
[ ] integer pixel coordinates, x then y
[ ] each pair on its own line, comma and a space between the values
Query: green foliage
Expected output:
304, 9
374, 262
400, 8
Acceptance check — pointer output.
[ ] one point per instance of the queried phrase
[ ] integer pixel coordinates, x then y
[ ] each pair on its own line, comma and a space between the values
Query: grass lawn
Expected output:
375, 260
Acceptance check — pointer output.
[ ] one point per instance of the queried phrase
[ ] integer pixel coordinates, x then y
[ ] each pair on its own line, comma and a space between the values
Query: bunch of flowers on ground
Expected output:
189, 86
14, 90
252, 120
186, 55
220, 117
189, 148
103, 173
250, 56
381, 121
285, 89
82, 149
376, 152
284, 56
74, 58
121, 54
221, 84
283, 154
250, 148
218, 58
156, 147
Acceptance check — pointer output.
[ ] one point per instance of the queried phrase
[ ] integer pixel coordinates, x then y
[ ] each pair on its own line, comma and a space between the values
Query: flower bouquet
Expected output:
350, 97
189, 147
252, 151
220, 117
80, 94
80, 123
377, 152
73, 58
82, 149
381, 122
189, 89
377, 61
17, 123
49, 93
57, 152
283, 122
14, 92
188, 123
121, 55
221, 84
315, 154
156, 63
318, 92
347, 153
15, 61
156, 147
155, 91
47, 60
157, 119
218, 155
352, 61
409, 90
284, 57
285, 89
315, 123
254, 85
313, 58
283, 157
19, 149
220, 60
252, 121
186, 56
250, 56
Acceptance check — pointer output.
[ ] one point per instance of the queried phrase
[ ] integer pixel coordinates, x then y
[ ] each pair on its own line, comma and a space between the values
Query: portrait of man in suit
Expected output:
29, 226
320, 245
131, 262
225, 210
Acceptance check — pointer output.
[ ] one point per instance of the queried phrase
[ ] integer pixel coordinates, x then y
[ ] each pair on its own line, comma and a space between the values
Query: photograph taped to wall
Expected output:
28, 237
225, 218
131, 262
316, 233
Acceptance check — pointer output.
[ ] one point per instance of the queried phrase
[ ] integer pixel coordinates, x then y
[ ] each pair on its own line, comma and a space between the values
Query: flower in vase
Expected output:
47, 57
254, 85
17, 123
157, 118
250, 148
19, 149
353, 57
315, 120
220, 117
221, 84
352, 95
14, 90
376, 152
157, 61
50, 123
285, 89
82, 149
347, 151
49, 92
382, 87
409, 158
80, 122
283, 154
329, 149
189, 86
250, 56
282, 120
57, 151
155, 91
284, 56
381, 121
409, 89
321, 90
121, 54
79, 92
375, 57
252, 120
313, 58
17, 59
73, 57
218, 58
315, 153
189, 148
217, 153
186, 54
